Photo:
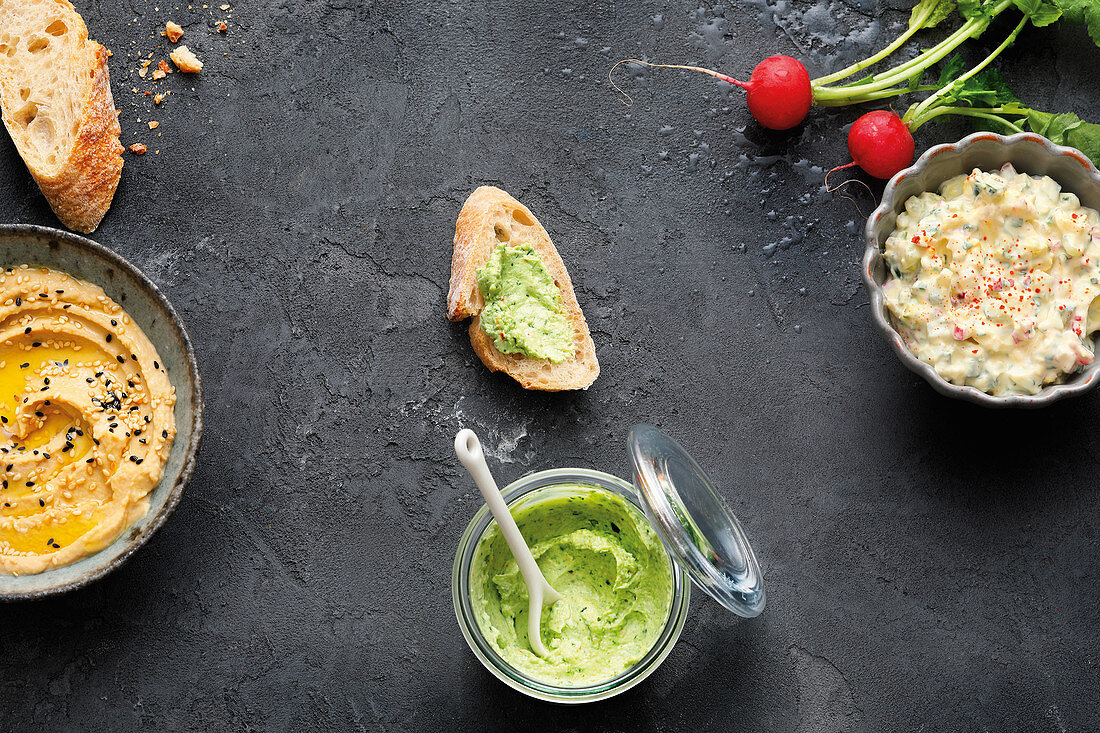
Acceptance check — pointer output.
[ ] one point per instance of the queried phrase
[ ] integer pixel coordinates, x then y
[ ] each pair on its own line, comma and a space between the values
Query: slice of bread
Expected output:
57, 106
491, 217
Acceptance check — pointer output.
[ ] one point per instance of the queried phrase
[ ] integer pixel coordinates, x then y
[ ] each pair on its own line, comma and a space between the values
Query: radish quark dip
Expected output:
992, 280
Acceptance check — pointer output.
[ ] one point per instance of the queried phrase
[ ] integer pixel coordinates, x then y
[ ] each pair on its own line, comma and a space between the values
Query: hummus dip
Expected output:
86, 420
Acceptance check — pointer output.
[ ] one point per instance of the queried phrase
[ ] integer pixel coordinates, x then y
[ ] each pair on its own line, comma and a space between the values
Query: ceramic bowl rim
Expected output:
1078, 384
188, 467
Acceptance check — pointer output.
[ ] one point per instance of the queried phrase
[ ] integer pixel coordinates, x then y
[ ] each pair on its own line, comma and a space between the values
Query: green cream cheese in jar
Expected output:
614, 575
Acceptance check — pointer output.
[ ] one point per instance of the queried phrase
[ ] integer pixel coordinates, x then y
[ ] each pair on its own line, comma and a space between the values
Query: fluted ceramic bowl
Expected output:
1028, 153
146, 305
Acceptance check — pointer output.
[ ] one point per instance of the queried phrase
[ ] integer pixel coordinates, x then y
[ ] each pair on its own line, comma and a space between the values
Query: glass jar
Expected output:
527, 491
702, 538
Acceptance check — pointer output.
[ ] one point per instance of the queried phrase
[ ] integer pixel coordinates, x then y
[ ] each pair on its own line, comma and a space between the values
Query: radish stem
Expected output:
986, 113
872, 60
914, 114
884, 94
862, 89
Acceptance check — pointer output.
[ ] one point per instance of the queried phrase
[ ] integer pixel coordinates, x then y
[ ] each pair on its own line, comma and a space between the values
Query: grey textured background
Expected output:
930, 566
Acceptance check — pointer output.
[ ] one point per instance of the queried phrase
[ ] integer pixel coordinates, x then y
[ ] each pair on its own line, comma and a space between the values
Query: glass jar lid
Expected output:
694, 523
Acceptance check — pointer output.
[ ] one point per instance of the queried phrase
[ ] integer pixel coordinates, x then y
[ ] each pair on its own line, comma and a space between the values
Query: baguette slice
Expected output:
490, 217
57, 106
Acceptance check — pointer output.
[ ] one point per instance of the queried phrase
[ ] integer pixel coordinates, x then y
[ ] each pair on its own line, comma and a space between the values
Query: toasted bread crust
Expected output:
489, 217
79, 189
82, 191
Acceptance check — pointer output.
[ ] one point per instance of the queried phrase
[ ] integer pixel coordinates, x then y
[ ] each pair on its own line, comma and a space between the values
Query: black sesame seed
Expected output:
19, 301
36, 344
108, 338
24, 366
31, 483
156, 365
28, 330
164, 433
90, 460
120, 360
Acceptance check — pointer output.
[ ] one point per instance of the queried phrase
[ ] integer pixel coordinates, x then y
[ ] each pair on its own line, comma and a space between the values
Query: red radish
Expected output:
880, 143
779, 94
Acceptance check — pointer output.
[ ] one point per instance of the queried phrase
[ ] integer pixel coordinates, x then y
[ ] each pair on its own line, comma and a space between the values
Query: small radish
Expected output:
880, 143
778, 92
779, 95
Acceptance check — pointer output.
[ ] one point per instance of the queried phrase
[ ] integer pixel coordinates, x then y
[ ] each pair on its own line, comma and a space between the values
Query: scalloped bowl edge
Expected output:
1029, 153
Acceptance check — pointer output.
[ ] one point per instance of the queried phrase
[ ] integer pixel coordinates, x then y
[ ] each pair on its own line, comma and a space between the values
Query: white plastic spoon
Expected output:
539, 592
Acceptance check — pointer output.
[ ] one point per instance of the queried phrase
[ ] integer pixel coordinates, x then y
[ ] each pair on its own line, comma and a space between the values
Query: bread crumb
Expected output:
222, 28
153, 124
158, 98
146, 62
225, 7
138, 149
143, 72
173, 30
186, 61
157, 74
163, 66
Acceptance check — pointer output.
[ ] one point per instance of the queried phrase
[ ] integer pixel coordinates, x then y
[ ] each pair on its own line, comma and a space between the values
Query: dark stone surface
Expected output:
930, 565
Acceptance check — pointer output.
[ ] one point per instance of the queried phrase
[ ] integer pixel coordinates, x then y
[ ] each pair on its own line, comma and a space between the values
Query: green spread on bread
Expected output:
523, 311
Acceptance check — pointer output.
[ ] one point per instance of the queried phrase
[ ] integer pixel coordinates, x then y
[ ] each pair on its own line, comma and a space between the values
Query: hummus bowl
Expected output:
151, 312
1028, 153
